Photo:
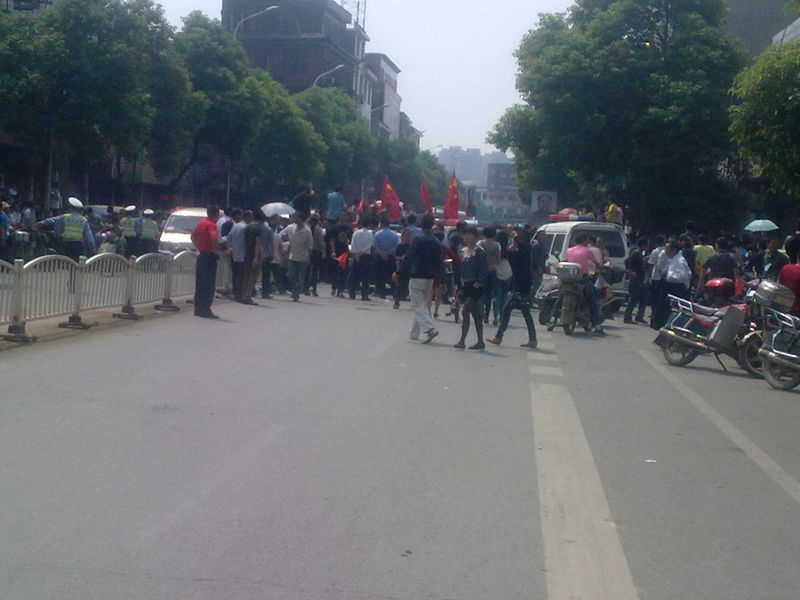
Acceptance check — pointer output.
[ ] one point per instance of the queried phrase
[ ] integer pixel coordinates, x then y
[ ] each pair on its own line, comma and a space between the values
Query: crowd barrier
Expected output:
54, 286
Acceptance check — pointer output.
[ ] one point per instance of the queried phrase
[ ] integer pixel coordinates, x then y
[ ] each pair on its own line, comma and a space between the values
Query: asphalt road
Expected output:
312, 451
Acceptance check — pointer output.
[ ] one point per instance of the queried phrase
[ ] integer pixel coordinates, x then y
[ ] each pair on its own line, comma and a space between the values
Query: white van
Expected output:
177, 234
559, 236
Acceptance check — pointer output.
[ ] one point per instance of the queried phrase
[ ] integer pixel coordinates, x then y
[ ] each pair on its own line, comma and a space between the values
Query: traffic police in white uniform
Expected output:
131, 231
149, 229
73, 229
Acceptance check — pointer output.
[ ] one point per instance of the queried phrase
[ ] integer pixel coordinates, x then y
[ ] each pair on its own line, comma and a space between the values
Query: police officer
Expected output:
131, 231
73, 228
149, 232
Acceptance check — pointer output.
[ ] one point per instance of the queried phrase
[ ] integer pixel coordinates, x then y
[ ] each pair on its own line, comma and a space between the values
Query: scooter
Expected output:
729, 328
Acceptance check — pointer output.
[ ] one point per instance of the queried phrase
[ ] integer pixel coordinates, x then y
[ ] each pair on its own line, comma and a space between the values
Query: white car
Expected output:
177, 233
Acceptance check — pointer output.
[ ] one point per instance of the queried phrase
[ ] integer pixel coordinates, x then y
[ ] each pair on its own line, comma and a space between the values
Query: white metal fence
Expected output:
53, 286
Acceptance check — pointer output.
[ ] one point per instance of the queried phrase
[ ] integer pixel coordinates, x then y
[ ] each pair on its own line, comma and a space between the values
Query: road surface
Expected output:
312, 451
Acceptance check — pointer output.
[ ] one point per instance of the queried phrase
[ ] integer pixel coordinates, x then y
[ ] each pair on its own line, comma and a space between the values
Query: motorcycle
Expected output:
780, 353
565, 304
727, 327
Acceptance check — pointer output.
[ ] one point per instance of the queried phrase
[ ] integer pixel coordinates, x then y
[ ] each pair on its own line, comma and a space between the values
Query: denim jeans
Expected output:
522, 302
592, 301
296, 275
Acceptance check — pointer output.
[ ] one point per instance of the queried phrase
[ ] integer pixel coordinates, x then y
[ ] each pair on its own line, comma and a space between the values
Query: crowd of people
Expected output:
682, 265
483, 274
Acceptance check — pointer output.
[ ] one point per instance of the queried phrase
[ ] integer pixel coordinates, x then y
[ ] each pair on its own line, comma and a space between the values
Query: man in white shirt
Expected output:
235, 241
301, 243
677, 278
361, 253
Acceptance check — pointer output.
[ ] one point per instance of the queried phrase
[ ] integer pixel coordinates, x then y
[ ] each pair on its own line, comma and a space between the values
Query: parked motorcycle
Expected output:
727, 327
780, 353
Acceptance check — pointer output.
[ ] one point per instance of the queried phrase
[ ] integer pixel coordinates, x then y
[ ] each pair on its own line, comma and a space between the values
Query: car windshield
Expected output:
182, 224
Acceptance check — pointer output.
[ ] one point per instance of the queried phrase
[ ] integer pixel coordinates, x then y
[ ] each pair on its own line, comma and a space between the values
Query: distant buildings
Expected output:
25, 5
756, 21
317, 42
471, 166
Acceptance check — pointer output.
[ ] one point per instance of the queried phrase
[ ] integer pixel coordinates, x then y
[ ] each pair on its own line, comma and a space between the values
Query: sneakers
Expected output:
429, 335
495, 341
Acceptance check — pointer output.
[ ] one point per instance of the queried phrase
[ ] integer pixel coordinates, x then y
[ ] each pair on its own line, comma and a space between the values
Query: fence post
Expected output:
167, 303
75, 321
16, 330
127, 311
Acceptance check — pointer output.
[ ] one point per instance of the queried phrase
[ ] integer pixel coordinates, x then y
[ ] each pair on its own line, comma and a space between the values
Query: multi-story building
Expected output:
300, 41
29, 6
756, 21
386, 102
408, 132
790, 34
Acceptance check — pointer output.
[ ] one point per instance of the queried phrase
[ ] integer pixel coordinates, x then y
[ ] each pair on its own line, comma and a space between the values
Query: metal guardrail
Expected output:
52, 286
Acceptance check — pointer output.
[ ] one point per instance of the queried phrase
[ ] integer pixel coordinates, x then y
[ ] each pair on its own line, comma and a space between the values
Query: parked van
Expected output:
177, 233
558, 237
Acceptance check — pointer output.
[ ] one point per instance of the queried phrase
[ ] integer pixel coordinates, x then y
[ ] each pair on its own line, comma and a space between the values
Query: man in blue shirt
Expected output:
412, 226
74, 231
336, 203
385, 243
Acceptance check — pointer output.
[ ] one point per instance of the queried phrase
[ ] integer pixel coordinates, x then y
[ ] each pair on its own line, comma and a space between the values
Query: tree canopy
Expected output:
626, 100
766, 119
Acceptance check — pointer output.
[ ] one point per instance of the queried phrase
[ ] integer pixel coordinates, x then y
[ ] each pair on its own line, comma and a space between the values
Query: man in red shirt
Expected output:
206, 240
789, 276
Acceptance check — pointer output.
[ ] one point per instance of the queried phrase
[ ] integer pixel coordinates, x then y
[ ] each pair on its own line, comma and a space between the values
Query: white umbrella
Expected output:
278, 208
761, 225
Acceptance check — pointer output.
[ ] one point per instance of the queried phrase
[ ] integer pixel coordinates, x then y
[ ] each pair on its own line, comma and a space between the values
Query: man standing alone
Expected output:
206, 240
423, 260
301, 243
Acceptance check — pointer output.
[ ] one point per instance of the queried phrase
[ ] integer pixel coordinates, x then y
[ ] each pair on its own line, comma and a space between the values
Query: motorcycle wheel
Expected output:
780, 378
679, 355
748, 357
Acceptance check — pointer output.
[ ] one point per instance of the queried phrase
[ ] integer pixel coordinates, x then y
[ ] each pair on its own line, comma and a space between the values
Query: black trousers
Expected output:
205, 282
383, 274
237, 279
71, 249
637, 297
266, 277
313, 271
359, 276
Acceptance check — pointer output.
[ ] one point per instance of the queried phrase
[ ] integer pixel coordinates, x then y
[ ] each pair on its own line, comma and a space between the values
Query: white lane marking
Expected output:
547, 346
534, 356
774, 471
546, 371
582, 550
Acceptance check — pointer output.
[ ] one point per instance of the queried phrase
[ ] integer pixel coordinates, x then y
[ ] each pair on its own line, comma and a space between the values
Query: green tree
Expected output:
626, 100
285, 150
766, 120
350, 146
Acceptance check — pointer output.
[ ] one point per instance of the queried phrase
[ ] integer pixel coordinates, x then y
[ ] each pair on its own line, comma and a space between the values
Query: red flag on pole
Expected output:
425, 197
390, 202
452, 202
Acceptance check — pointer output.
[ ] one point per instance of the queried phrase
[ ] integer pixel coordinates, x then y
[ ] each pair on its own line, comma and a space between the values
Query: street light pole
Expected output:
326, 73
247, 18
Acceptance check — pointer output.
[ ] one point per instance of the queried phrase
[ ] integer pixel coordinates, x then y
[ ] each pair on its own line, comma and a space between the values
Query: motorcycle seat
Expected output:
704, 310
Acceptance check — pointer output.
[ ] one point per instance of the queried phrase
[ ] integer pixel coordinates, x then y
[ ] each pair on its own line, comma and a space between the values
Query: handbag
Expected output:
504, 272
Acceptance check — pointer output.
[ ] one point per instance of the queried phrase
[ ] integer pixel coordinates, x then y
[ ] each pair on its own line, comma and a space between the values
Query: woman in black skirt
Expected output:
474, 273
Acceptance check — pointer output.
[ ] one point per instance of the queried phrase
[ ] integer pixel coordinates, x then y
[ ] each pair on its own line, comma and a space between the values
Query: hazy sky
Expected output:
455, 55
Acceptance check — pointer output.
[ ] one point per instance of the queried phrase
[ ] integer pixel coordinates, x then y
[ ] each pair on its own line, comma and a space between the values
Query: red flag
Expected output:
452, 202
390, 201
424, 197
